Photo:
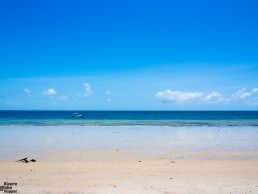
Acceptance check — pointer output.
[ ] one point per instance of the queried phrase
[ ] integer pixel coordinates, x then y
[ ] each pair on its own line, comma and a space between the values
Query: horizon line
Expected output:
133, 110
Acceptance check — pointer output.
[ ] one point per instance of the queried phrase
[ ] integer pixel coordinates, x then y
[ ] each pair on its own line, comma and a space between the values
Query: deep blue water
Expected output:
162, 118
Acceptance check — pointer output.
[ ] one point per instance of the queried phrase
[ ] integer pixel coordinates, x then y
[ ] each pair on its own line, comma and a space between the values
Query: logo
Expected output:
9, 187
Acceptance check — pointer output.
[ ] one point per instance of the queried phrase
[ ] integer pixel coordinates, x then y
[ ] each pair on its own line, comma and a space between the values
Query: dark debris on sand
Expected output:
25, 160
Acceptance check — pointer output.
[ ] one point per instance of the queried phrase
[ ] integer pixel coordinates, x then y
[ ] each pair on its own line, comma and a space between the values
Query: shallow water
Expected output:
41, 140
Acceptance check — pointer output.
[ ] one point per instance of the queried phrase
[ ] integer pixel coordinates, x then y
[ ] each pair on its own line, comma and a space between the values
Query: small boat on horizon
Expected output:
77, 115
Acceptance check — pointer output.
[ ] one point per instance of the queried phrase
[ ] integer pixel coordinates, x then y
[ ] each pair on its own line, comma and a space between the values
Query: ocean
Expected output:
130, 118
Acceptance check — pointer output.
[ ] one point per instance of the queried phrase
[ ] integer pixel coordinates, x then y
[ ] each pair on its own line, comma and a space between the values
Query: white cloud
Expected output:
177, 96
63, 97
27, 92
87, 89
255, 90
214, 97
241, 94
108, 93
250, 97
49, 92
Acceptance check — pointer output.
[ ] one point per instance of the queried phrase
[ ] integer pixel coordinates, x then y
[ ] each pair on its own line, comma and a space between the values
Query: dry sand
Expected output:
137, 172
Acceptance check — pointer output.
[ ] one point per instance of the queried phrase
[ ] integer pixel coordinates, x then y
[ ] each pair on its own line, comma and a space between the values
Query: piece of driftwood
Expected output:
25, 160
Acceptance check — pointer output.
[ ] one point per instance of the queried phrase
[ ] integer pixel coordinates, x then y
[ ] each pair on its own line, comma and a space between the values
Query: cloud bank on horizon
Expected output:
213, 97
172, 96
133, 94
168, 96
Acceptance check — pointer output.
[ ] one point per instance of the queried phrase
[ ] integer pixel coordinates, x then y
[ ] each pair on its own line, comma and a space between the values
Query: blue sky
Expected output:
129, 55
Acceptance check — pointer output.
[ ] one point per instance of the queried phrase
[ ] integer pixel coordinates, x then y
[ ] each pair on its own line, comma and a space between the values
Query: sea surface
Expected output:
130, 118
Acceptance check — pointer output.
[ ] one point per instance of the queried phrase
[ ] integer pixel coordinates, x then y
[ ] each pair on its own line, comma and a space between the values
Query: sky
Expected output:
129, 55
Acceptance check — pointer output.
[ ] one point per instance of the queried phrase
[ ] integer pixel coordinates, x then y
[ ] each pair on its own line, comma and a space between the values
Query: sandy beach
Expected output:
130, 159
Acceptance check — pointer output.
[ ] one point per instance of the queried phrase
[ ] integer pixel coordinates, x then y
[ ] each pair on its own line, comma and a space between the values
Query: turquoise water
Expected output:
122, 118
